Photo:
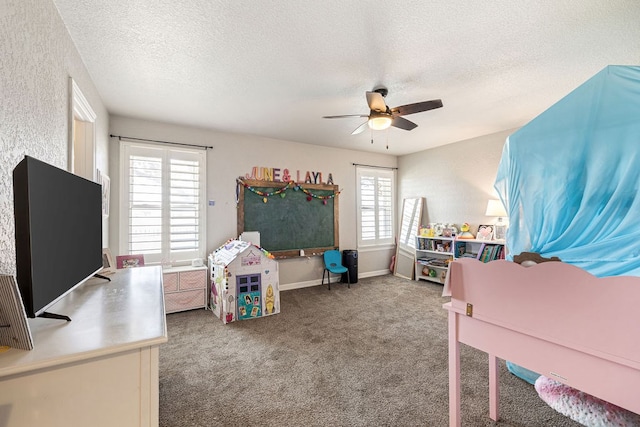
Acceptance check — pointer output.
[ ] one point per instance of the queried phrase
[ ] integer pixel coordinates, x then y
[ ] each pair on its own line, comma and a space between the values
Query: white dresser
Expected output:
185, 288
100, 369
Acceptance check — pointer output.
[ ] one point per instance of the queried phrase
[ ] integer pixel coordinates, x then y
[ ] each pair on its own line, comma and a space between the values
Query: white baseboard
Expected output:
374, 273
335, 279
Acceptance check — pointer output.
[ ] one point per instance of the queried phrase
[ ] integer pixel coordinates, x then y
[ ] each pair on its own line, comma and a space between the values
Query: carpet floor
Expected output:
372, 355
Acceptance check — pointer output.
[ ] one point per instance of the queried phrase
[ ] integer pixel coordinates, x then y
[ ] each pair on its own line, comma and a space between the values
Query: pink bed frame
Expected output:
552, 318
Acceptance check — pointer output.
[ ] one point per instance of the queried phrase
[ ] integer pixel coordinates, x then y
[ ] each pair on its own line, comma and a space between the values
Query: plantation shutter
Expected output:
163, 203
375, 206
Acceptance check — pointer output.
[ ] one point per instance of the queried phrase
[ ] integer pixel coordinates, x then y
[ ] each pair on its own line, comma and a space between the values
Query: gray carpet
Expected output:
372, 355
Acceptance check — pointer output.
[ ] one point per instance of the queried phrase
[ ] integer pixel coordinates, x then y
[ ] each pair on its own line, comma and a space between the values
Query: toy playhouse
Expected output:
244, 282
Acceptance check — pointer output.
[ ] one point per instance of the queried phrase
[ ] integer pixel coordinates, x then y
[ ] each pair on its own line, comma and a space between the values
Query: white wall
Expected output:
456, 180
38, 57
235, 155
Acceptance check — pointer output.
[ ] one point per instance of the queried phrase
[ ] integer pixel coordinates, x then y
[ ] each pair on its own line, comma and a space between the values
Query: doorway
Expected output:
82, 145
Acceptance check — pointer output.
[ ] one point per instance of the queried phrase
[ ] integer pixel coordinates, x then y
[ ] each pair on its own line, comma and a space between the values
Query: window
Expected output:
162, 202
376, 199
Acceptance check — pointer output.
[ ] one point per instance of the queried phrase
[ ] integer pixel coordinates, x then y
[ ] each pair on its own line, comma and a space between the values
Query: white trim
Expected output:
377, 248
81, 106
80, 110
300, 285
374, 273
336, 279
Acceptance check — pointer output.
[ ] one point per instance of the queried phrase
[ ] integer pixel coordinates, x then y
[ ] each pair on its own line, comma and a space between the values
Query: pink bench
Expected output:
553, 318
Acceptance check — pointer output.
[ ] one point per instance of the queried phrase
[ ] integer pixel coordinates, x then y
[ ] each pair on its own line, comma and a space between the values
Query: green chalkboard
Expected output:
289, 223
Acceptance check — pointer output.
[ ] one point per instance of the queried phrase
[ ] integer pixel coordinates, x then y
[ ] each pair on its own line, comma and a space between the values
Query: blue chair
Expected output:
333, 264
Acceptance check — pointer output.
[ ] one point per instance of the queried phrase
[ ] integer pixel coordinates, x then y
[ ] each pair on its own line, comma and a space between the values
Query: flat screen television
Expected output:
58, 227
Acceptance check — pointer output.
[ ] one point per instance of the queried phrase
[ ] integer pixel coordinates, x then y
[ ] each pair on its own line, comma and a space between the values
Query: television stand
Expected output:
48, 315
102, 369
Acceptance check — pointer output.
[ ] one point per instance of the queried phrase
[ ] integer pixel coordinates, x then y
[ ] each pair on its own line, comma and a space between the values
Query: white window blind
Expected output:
162, 203
376, 199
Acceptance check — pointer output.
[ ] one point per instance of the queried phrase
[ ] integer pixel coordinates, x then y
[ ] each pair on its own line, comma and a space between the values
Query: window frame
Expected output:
129, 148
377, 173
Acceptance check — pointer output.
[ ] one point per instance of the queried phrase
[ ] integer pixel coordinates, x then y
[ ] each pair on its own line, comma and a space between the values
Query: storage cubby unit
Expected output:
185, 288
433, 254
468, 248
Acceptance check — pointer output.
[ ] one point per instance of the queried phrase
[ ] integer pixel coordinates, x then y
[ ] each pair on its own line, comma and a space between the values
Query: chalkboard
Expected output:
289, 223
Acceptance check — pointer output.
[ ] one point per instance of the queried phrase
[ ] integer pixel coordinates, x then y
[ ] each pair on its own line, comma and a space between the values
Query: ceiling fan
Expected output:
381, 117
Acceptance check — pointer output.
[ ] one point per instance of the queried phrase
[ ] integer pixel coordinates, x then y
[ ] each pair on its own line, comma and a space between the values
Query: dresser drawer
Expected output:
187, 300
170, 282
193, 279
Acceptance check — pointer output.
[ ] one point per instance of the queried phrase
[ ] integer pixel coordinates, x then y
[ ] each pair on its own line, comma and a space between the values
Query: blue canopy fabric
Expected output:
570, 178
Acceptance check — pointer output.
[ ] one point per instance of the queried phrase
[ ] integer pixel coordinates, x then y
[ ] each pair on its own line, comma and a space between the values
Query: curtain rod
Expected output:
373, 166
204, 147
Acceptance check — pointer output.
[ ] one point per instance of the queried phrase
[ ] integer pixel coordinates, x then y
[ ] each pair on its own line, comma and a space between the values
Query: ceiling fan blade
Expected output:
360, 128
403, 123
376, 102
418, 107
346, 115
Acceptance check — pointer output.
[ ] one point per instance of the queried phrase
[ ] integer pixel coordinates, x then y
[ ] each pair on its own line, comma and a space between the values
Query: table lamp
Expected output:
495, 208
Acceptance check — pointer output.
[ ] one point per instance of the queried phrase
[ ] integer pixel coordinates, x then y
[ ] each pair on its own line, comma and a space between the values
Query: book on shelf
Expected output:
439, 262
490, 252
435, 262
484, 257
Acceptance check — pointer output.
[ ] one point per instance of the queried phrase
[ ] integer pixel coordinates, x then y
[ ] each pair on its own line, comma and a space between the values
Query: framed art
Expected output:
108, 266
129, 261
15, 330
485, 232
106, 193
500, 231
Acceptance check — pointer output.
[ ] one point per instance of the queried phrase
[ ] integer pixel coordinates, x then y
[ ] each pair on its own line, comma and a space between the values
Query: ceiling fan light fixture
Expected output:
382, 117
380, 122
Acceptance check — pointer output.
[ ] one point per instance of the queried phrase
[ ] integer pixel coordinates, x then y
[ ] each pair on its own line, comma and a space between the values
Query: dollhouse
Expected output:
244, 282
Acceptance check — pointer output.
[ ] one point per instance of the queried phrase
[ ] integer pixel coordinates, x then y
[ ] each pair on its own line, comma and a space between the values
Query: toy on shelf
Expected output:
465, 233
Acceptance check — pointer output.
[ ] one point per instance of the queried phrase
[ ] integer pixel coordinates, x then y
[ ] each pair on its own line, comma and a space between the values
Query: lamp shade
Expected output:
495, 208
379, 121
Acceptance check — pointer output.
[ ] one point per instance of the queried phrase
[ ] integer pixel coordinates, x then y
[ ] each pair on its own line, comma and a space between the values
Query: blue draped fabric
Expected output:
569, 178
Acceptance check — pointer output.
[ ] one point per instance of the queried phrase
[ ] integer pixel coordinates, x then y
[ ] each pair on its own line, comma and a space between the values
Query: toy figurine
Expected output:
465, 233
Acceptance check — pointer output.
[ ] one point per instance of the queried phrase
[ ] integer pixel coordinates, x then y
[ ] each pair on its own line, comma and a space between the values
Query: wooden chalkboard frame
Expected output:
310, 251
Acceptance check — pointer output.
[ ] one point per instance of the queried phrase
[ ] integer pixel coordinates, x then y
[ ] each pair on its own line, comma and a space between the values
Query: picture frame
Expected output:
15, 331
106, 193
129, 261
485, 232
108, 266
500, 231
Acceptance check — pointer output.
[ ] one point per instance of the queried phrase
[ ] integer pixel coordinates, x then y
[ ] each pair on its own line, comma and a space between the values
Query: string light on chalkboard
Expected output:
265, 194
282, 192
319, 196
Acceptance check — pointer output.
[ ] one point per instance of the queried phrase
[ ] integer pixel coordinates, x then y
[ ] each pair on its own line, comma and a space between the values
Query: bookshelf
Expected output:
433, 254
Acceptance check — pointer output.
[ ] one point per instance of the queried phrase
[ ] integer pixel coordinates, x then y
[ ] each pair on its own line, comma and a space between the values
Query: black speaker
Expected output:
350, 260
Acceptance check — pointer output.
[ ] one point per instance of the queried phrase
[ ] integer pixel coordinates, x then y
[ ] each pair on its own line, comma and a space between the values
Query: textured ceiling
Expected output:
274, 68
